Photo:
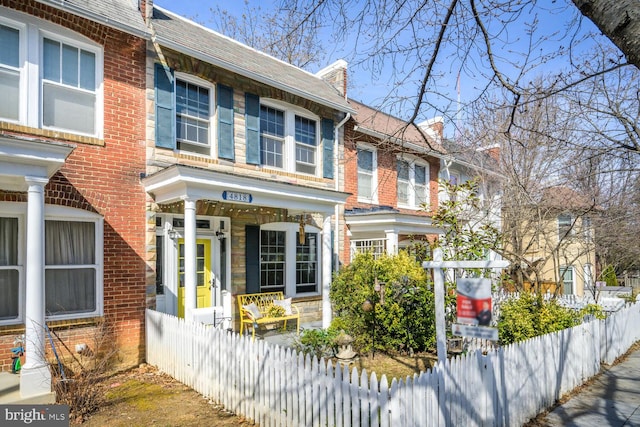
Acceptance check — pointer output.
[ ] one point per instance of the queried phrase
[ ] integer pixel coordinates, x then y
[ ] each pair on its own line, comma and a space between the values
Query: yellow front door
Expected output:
203, 274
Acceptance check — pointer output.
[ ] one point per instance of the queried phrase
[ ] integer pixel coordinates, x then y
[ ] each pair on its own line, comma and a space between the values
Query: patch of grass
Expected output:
395, 366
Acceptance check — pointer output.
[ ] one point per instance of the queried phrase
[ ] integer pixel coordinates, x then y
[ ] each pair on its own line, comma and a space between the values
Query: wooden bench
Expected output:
263, 302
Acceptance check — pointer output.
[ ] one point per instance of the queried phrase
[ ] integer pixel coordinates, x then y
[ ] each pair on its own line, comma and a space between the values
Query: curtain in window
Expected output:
9, 277
70, 276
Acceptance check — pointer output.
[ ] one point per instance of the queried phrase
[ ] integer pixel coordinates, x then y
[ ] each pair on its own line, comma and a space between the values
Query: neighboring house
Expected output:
242, 174
393, 171
72, 249
561, 248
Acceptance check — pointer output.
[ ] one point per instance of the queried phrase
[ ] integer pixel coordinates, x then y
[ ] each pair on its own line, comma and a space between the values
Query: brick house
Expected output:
393, 172
242, 176
72, 207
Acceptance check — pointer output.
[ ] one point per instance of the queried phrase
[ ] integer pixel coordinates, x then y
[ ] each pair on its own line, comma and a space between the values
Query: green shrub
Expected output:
318, 342
530, 316
608, 276
404, 322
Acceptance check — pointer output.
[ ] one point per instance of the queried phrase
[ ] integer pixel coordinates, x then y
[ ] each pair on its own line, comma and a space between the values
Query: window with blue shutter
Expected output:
165, 107
327, 148
225, 122
252, 120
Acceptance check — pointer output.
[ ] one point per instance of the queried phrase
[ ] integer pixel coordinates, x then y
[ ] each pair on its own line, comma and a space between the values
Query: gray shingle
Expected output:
192, 39
121, 14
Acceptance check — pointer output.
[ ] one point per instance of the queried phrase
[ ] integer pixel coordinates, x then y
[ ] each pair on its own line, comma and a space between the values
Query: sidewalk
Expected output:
613, 399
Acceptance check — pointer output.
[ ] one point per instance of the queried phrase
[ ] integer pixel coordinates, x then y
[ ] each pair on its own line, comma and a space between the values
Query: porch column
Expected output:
392, 242
35, 378
190, 287
326, 271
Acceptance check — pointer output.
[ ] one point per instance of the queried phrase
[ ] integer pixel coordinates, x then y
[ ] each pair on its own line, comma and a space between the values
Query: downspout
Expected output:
336, 237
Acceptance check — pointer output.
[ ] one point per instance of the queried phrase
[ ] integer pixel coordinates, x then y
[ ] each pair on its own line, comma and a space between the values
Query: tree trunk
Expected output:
619, 20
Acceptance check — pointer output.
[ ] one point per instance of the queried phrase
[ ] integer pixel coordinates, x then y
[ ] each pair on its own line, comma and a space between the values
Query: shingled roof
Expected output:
119, 14
382, 125
190, 38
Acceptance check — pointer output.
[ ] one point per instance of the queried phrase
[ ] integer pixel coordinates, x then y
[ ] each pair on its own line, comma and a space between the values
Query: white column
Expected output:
392, 242
326, 271
35, 378
438, 284
190, 288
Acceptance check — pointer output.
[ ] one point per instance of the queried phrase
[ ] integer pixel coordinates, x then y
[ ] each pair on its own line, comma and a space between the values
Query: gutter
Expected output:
62, 5
250, 74
336, 232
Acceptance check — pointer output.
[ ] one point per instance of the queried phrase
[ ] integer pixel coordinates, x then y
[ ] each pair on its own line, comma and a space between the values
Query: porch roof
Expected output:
179, 182
388, 220
27, 157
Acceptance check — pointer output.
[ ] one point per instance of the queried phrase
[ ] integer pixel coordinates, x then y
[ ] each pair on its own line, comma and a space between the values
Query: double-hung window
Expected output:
272, 136
50, 77
288, 140
565, 225
10, 72
367, 176
566, 275
73, 248
10, 269
193, 114
413, 184
289, 262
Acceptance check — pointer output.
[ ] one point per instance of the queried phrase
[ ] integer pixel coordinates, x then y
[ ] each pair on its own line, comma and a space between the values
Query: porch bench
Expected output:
254, 311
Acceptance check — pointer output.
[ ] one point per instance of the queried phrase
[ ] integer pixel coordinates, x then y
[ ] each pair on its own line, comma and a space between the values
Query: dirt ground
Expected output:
145, 397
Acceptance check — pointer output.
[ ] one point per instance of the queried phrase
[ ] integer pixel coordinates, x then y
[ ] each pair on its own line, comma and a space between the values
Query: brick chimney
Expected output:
433, 127
336, 75
146, 8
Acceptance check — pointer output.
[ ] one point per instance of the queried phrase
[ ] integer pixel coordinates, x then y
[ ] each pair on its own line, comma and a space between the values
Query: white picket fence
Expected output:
275, 386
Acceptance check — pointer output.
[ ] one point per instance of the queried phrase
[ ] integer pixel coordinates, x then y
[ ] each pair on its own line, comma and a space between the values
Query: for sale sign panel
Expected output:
474, 301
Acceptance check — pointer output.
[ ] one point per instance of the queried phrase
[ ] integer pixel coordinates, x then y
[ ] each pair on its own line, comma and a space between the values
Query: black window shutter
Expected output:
327, 148
252, 252
165, 107
252, 120
225, 122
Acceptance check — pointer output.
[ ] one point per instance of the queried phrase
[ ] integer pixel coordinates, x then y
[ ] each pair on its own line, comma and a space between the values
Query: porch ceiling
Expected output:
179, 182
390, 222
21, 158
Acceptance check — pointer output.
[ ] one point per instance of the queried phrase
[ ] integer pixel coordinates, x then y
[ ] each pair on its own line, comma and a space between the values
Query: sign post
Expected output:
438, 266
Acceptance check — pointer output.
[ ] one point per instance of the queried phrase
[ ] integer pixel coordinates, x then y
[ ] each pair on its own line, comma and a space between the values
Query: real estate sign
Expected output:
474, 301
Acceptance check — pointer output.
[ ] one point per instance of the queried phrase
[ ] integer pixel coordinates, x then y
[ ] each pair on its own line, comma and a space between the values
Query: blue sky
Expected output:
372, 88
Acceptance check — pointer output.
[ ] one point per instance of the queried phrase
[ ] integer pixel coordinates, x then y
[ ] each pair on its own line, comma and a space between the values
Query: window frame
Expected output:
412, 194
56, 213
205, 149
290, 144
373, 197
376, 243
291, 246
563, 270
565, 230
33, 31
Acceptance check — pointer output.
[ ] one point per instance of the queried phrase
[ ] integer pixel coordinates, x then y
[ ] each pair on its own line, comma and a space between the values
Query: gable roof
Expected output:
386, 127
564, 198
190, 38
119, 14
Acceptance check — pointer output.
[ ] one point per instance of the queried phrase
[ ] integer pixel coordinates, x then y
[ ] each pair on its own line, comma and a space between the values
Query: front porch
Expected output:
10, 392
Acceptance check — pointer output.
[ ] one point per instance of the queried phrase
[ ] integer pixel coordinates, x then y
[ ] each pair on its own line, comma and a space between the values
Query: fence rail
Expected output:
276, 386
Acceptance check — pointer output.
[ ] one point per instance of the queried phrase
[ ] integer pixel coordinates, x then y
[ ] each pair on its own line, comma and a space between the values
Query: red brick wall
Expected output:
105, 178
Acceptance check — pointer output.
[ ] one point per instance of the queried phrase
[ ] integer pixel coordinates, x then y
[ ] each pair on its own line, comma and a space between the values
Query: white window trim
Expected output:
57, 213
32, 32
213, 142
374, 176
289, 150
413, 162
291, 229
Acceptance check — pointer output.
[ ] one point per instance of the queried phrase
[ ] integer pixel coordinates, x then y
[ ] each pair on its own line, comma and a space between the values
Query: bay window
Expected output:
9, 72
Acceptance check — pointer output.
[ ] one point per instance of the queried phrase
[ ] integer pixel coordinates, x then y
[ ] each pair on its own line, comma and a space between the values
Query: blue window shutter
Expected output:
252, 120
327, 148
165, 108
252, 258
225, 122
